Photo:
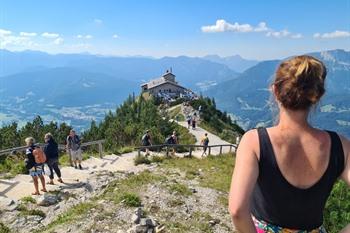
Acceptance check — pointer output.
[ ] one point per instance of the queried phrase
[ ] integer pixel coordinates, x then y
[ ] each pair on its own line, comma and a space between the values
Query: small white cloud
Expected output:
50, 35
297, 36
262, 27
317, 35
278, 34
10, 40
115, 36
84, 36
58, 41
30, 34
223, 26
4, 32
332, 35
98, 21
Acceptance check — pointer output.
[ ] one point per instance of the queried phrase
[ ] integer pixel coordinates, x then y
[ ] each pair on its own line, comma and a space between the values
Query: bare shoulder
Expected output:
250, 142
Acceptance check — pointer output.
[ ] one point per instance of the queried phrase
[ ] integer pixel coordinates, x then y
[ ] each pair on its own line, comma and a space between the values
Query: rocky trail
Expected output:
200, 205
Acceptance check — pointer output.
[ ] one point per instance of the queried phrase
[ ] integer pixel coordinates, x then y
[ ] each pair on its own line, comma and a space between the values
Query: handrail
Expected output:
191, 146
60, 146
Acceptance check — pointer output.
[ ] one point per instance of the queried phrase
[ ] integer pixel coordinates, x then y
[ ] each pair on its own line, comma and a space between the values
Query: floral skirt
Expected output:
264, 227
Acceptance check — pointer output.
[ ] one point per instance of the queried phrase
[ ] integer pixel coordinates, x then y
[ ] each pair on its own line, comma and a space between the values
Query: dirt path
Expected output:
22, 185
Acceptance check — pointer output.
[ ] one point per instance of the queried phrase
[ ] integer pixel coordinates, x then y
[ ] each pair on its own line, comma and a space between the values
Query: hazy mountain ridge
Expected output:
65, 86
235, 62
247, 97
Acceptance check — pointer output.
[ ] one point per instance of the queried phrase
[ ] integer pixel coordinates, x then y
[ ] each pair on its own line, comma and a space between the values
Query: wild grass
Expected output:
212, 172
28, 199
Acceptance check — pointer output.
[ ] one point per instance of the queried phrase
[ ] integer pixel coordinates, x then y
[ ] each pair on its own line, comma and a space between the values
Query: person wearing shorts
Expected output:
73, 145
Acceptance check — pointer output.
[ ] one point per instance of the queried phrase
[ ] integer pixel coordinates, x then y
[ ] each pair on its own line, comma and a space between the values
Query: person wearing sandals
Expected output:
51, 152
36, 170
284, 174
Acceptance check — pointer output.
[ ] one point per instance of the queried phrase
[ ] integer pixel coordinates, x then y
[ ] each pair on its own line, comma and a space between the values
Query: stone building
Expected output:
165, 86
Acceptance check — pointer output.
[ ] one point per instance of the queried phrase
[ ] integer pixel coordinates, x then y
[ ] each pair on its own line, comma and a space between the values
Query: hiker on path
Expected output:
193, 120
284, 174
172, 140
205, 143
73, 145
188, 119
35, 164
146, 141
51, 152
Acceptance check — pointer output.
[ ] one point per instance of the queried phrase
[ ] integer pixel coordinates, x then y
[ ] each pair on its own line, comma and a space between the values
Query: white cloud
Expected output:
317, 35
332, 35
58, 41
278, 34
4, 32
262, 27
20, 41
98, 21
115, 36
297, 36
50, 35
223, 26
27, 34
85, 37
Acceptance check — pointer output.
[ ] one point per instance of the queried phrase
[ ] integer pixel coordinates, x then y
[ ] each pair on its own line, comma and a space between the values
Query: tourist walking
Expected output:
35, 164
73, 145
193, 120
51, 152
188, 119
205, 143
146, 141
284, 174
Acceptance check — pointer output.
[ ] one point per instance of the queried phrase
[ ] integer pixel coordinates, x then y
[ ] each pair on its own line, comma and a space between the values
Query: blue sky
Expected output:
252, 29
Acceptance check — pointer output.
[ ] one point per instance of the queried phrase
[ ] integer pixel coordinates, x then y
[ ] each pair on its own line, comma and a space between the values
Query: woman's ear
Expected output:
273, 90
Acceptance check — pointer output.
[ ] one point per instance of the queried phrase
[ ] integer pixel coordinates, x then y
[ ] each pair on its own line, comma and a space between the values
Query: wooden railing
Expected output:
232, 147
60, 147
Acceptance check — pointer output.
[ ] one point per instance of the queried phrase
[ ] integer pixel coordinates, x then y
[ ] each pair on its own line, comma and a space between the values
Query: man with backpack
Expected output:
205, 143
146, 141
73, 146
51, 151
35, 164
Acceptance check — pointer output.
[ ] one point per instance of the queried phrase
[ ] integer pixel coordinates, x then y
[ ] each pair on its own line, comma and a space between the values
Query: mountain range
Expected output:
77, 88
248, 99
81, 87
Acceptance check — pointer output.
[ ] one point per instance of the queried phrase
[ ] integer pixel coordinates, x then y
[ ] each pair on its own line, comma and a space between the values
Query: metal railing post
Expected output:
100, 149
220, 150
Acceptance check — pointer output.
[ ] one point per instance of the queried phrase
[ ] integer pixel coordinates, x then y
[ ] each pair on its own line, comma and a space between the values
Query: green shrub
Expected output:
141, 160
131, 199
337, 211
157, 159
28, 199
125, 149
3, 228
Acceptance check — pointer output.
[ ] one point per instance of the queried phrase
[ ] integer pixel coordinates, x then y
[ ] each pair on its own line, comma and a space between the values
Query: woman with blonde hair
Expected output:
35, 169
284, 174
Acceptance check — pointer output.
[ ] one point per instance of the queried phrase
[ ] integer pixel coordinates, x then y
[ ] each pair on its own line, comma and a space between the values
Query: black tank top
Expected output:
277, 202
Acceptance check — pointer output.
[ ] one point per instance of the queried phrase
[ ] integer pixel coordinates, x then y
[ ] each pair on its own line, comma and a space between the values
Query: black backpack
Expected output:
169, 140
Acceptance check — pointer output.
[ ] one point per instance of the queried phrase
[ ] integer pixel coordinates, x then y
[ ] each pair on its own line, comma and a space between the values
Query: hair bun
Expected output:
299, 82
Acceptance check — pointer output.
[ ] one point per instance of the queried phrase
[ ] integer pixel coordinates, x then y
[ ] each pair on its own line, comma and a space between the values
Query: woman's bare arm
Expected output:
244, 177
